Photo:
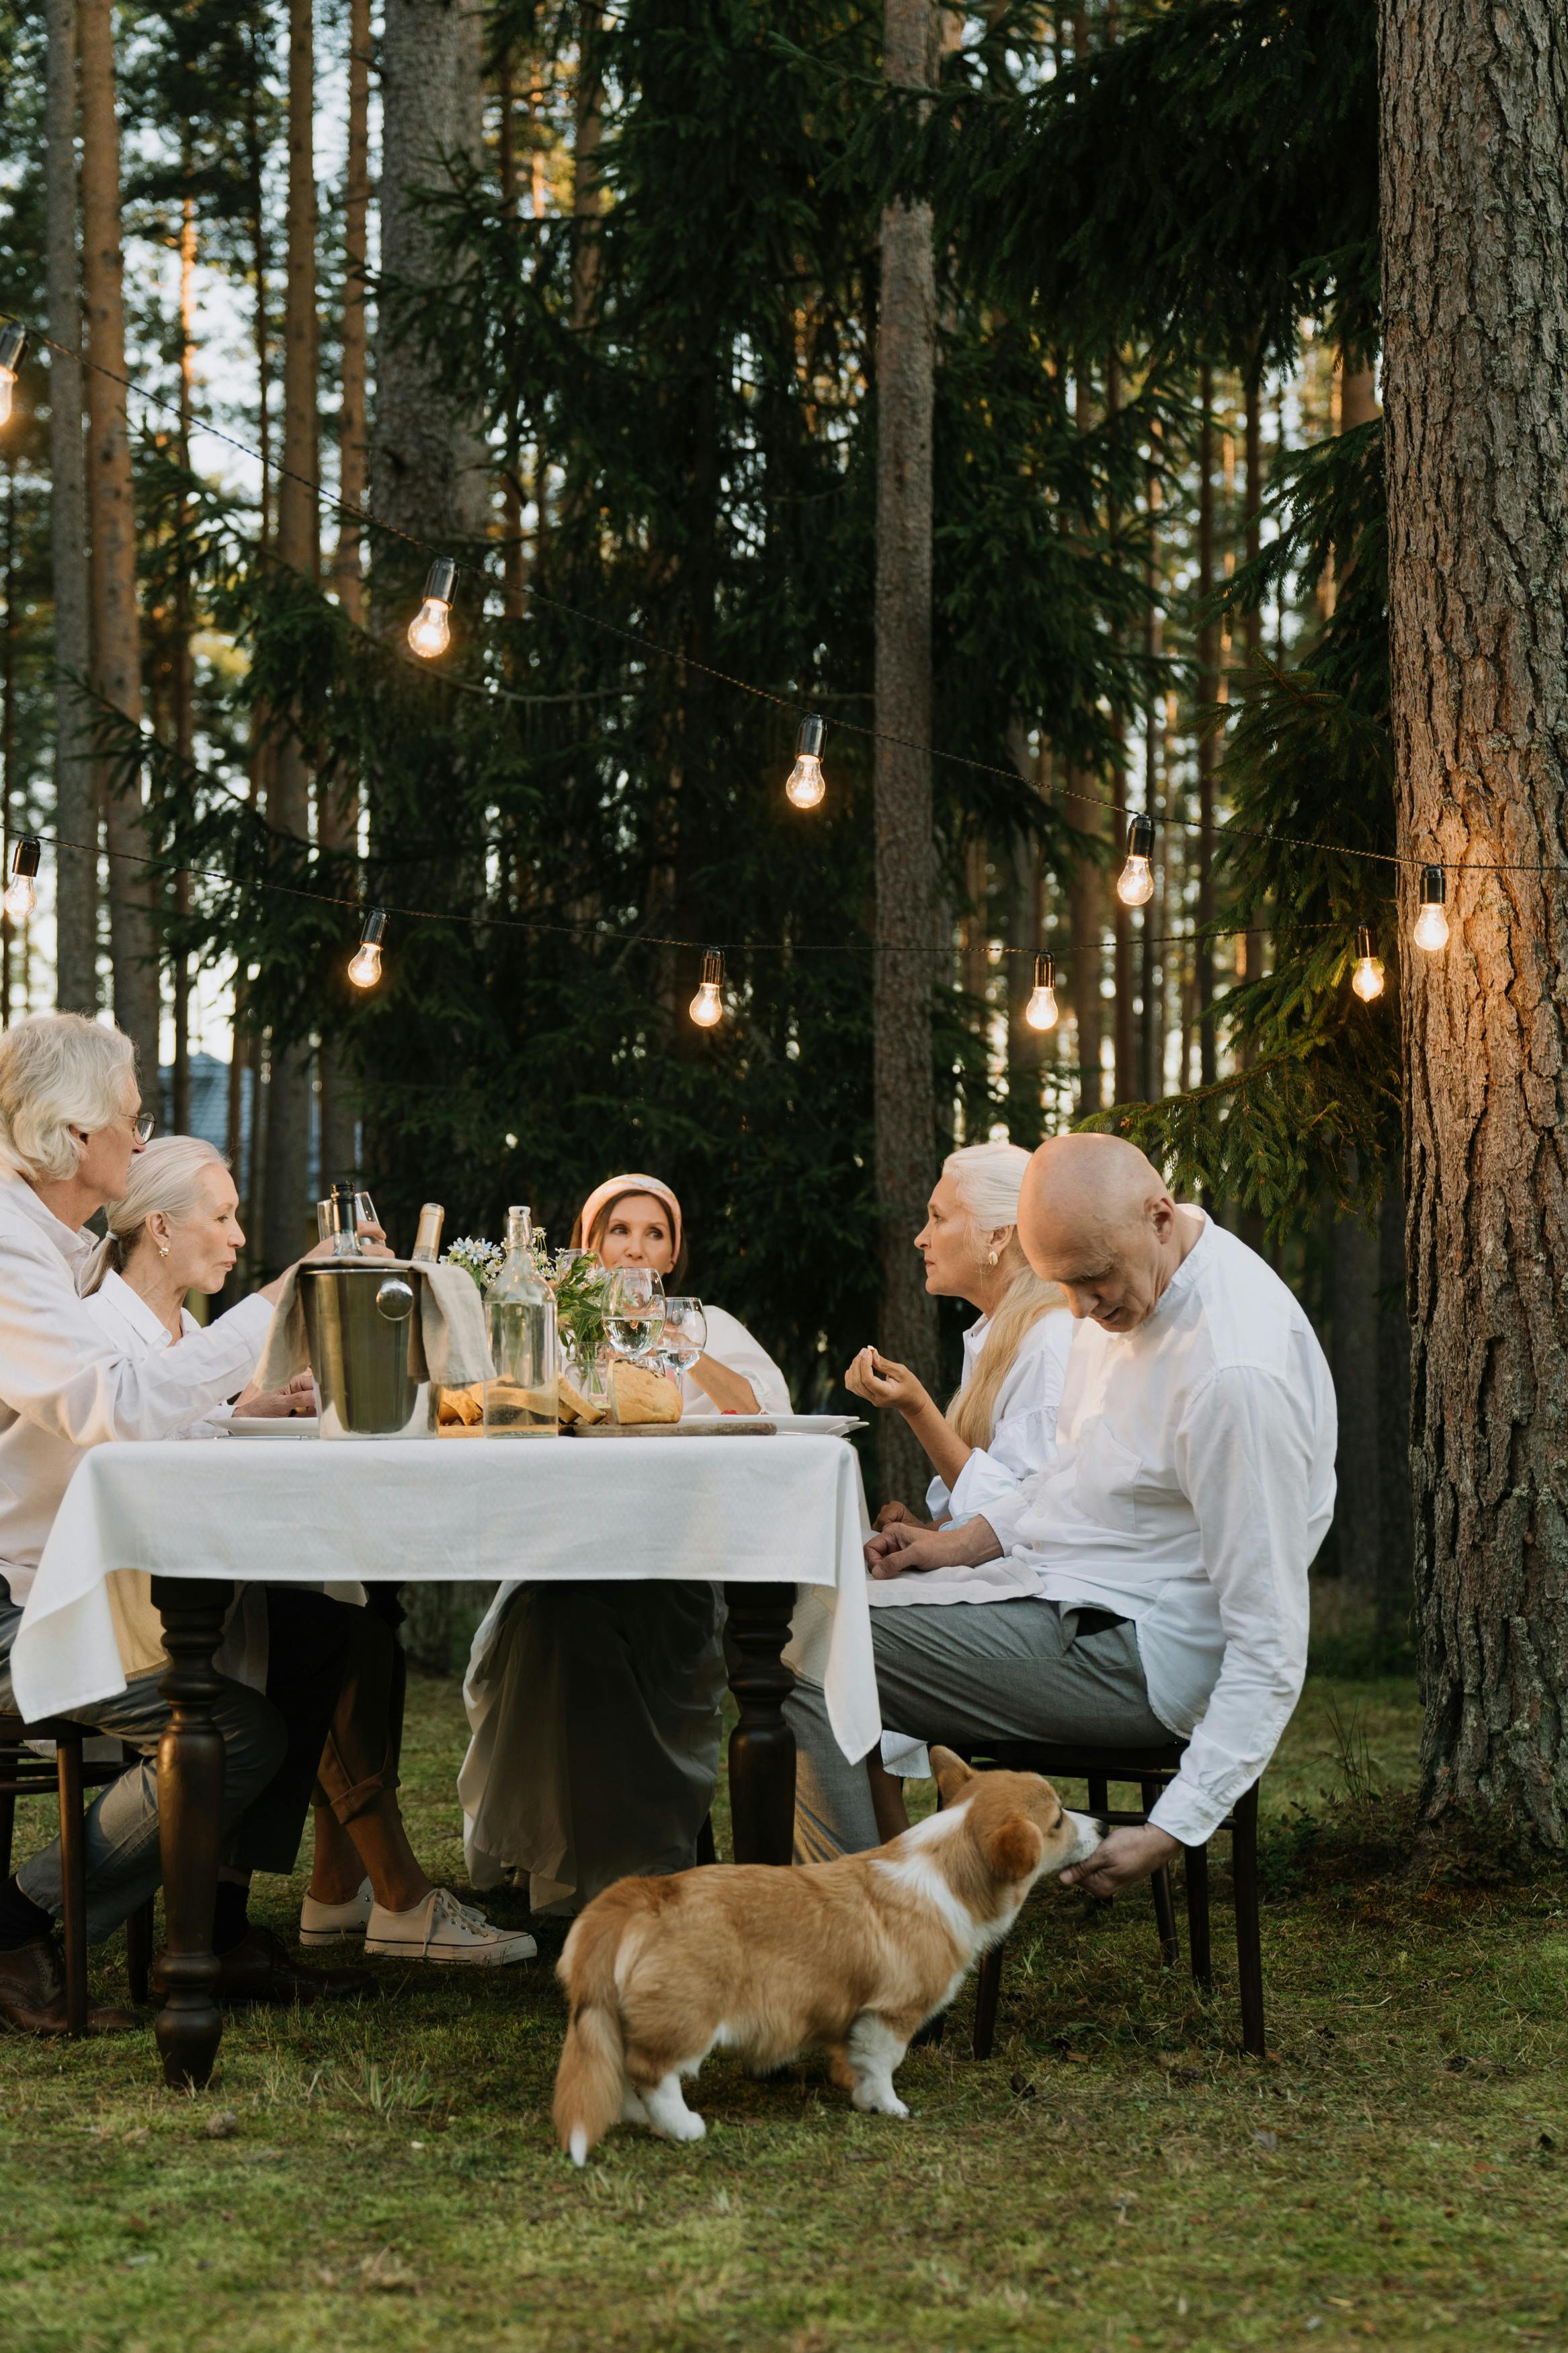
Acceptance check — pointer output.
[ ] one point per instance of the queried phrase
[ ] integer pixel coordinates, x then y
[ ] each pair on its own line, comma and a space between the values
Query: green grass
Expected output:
1116, 2176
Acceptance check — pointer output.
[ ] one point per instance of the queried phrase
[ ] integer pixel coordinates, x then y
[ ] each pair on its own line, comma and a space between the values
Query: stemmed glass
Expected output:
634, 1311
685, 1334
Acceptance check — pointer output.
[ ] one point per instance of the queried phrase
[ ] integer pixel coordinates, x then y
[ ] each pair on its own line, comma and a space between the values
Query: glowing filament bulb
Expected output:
21, 897
1367, 978
1041, 1011
706, 1008
1136, 883
13, 344
1431, 931
364, 965
804, 786
428, 632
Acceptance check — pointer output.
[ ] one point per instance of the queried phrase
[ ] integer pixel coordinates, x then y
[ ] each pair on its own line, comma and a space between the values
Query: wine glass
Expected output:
634, 1310
364, 1215
685, 1334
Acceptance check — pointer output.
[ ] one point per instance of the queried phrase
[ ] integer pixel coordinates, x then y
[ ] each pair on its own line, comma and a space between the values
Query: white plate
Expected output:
797, 1425
281, 1425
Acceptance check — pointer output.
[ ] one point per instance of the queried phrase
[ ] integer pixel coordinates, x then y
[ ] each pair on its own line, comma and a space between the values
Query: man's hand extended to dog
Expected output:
1121, 1859
895, 1550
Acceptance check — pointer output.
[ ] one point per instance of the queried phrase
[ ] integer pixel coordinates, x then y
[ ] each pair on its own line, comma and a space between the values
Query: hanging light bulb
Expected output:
1431, 931
1041, 1011
803, 787
706, 1008
1136, 883
1367, 978
13, 345
427, 631
20, 896
364, 965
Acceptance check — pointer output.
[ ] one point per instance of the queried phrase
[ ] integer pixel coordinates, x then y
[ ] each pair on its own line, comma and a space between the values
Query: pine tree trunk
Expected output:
75, 795
1024, 941
337, 799
427, 460
182, 696
286, 1224
905, 1097
1475, 226
1208, 739
116, 632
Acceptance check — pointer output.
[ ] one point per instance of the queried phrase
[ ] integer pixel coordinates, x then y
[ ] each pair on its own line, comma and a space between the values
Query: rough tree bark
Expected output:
337, 799
286, 1216
1208, 741
905, 1097
116, 671
1474, 227
75, 795
427, 460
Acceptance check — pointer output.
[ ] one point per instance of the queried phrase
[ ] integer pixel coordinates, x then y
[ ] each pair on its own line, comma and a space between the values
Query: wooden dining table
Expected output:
778, 1522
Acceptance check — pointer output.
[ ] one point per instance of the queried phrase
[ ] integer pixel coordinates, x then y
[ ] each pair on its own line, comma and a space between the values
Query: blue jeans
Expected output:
123, 1866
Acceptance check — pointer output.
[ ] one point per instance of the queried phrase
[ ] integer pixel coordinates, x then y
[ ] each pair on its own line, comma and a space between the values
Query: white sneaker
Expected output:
331, 1924
442, 1929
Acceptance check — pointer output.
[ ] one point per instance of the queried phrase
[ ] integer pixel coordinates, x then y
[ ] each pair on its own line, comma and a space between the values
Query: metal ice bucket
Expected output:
365, 1349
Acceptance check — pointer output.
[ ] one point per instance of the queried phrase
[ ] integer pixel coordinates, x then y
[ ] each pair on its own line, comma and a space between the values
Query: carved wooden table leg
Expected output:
190, 1823
762, 1746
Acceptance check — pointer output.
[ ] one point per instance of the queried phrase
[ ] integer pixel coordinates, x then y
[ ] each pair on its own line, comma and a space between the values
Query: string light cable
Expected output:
429, 636
363, 516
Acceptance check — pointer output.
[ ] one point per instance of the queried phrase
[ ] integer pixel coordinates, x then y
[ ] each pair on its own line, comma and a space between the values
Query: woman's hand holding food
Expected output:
881, 1382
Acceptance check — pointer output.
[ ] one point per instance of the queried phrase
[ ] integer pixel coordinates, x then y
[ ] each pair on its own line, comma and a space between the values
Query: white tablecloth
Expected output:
283, 1512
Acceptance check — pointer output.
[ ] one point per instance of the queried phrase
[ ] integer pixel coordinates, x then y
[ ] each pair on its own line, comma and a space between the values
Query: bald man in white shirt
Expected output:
1170, 1540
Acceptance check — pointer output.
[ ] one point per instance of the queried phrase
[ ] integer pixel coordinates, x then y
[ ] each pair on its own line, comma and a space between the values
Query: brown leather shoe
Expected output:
259, 1970
33, 1993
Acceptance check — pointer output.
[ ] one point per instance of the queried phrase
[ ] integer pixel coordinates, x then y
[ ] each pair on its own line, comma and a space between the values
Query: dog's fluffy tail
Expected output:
590, 2082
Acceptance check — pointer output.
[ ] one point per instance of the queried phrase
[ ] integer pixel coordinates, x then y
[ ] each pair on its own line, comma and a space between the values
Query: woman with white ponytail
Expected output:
1001, 1426
174, 1230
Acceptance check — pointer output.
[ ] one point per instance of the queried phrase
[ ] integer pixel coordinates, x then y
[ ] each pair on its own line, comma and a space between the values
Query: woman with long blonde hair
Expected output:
1000, 1425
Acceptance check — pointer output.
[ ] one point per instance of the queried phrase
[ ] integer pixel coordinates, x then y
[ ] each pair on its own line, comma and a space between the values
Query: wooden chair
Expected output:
1149, 1770
24, 1774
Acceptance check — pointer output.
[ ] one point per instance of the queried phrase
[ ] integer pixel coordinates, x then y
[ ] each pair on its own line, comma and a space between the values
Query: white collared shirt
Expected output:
1193, 1483
122, 1312
1023, 1423
67, 1383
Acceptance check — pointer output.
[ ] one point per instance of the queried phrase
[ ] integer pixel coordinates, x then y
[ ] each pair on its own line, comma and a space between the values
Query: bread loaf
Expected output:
642, 1396
576, 1407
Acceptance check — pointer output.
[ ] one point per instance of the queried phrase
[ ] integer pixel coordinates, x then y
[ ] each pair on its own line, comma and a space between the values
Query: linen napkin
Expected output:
449, 1339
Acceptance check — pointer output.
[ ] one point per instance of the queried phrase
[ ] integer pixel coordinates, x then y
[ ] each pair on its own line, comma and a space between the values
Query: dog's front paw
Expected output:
878, 2100
686, 2127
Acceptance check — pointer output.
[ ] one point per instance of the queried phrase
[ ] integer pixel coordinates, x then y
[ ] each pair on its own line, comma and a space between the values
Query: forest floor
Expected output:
1117, 2175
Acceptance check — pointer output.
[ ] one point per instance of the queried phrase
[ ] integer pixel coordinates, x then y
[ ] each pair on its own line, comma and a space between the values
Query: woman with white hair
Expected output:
1000, 1427
174, 1230
71, 1125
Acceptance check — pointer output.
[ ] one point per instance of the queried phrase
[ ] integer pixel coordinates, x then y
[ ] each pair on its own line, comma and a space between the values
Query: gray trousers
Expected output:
121, 1851
966, 1672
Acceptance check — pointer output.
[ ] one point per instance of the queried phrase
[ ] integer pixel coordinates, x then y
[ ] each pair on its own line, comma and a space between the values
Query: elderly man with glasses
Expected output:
71, 1125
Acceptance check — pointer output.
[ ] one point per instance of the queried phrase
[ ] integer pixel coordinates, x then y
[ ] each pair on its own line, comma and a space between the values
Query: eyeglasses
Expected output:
142, 1126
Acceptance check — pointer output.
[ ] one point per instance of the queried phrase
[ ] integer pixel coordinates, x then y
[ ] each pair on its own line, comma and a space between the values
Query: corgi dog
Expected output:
850, 1956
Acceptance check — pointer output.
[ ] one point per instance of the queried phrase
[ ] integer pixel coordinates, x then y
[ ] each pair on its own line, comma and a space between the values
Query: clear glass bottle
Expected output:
523, 1400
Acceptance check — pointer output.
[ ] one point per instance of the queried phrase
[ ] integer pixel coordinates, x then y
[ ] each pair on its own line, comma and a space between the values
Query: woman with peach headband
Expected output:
594, 1707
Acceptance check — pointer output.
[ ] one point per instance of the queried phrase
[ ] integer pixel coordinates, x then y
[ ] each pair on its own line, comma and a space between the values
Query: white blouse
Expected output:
730, 1345
127, 1323
1024, 1423
130, 1324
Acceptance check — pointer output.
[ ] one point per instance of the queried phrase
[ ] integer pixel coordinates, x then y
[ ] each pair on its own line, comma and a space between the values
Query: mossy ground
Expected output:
1116, 2176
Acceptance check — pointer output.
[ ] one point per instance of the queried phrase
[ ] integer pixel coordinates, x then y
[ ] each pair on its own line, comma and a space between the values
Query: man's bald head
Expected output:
1095, 1216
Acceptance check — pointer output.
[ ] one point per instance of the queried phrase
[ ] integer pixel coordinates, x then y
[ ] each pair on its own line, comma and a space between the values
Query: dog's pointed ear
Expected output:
1012, 1849
953, 1775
